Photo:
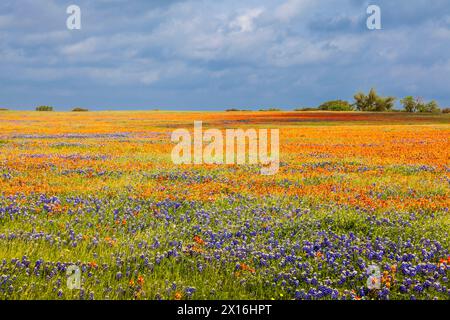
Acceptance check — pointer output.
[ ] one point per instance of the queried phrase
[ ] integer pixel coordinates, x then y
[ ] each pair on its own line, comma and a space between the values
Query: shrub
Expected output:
336, 105
3, 109
271, 109
79, 110
44, 108
373, 102
236, 110
306, 109
446, 110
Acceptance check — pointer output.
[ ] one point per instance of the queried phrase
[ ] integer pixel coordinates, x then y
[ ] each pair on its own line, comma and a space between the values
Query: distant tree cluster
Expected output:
3, 109
44, 108
372, 102
235, 110
411, 104
306, 109
271, 109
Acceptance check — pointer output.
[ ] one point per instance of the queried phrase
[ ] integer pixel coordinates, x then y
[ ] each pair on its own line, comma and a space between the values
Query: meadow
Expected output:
98, 190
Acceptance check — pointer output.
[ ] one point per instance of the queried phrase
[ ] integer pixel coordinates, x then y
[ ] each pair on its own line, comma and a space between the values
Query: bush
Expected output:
271, 109
3, 109
237, 110
446, 110
44, 108
306, 109
373, 102
418, 105
336, 105
79, 110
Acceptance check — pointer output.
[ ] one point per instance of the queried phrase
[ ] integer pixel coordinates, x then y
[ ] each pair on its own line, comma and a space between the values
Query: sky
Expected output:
213, 55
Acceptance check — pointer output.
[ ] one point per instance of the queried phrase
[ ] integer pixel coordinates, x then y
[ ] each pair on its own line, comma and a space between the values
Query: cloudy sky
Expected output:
208, 54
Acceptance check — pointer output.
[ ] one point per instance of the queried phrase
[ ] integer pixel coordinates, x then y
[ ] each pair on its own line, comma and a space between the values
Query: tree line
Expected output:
48, 108
373, 102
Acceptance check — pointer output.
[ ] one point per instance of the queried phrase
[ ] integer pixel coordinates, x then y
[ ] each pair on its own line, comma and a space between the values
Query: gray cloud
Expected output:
205, 54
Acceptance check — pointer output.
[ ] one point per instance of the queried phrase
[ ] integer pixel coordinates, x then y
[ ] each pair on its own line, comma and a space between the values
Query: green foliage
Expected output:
336, 105
430, 107
373, 102
409, 104
270, 109
418, 105
79, 110
306, 109
44, 108
3, 109
236, 110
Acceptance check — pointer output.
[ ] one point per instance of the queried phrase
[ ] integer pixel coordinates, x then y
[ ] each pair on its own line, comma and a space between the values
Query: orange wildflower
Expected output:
140, 280
245, 267
197, 249
199, 240
178, 296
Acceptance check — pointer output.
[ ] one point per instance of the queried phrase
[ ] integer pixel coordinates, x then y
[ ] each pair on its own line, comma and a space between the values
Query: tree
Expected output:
409, 104
336, 105
385, 104
373, 102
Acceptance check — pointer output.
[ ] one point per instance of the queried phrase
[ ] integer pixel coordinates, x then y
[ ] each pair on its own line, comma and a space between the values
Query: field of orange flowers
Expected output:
98, 191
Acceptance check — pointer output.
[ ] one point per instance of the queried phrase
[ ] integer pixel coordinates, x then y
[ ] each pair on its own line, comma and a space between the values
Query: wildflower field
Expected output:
98, 190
